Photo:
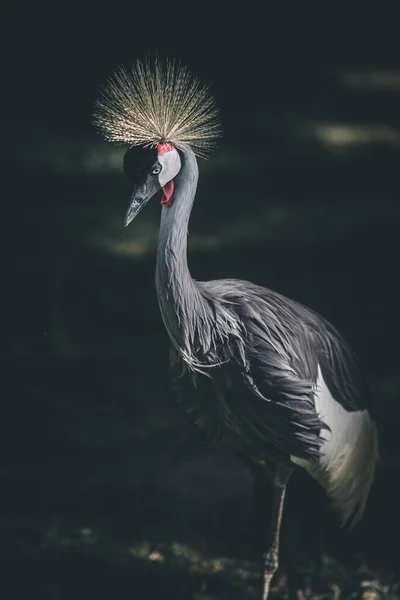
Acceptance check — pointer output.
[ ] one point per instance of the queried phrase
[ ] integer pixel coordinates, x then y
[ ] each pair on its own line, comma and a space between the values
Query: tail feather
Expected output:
351, 475
348, 458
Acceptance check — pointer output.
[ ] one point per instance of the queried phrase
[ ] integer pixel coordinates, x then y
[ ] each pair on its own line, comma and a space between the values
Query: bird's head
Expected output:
159, 109
149, 170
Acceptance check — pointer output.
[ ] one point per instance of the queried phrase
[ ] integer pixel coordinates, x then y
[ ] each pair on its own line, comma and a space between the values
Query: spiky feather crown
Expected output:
157, 102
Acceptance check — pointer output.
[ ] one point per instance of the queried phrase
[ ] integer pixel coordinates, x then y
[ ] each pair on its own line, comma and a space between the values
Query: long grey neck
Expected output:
179, 296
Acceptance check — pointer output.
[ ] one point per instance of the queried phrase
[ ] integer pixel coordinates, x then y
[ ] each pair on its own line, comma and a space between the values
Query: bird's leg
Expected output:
266, 474
271, 555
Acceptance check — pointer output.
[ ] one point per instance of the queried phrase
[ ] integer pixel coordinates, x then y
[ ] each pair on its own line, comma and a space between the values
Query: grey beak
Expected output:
138, 201
140, 197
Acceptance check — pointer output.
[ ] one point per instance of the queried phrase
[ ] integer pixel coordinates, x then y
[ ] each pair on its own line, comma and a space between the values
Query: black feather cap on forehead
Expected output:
137, 161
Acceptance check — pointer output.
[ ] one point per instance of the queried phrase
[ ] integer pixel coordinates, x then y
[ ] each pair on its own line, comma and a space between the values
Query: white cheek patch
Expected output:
170, 161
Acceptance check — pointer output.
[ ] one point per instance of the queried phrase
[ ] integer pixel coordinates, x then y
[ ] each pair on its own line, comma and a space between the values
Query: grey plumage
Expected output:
255, 371
246, 359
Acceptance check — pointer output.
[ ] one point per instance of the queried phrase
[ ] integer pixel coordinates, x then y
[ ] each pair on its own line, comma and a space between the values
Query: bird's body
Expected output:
259, 372
262, 397
291, 415
254, 370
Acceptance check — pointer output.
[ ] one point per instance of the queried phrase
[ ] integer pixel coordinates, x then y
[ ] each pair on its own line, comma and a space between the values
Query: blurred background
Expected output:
106, 490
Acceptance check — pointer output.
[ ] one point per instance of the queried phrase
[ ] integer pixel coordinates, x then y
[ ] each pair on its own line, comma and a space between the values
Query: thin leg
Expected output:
271, 556
266, 474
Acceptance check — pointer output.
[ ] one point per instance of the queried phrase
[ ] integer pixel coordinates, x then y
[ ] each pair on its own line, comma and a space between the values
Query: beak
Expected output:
140, 197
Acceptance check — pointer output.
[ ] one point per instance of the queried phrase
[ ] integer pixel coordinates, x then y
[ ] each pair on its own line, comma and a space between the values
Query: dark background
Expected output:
107, 492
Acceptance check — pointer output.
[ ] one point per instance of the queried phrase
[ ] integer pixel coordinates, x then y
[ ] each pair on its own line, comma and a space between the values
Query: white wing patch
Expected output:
348, 456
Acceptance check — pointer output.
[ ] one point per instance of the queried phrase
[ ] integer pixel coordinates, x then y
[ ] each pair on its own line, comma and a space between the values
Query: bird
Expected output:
255, 371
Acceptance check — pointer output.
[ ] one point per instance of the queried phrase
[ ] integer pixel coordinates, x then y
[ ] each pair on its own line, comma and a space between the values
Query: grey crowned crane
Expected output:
257, 372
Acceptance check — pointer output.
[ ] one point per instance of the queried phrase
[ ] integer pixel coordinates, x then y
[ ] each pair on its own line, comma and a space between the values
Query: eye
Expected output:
156, 170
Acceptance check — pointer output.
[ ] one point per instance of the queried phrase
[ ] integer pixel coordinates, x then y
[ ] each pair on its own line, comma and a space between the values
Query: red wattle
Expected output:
168, 191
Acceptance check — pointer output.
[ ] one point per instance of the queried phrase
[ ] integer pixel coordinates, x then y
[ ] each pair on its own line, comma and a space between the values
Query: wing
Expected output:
285, 344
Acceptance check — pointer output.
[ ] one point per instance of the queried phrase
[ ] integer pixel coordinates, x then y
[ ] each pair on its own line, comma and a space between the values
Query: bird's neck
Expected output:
179, 296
